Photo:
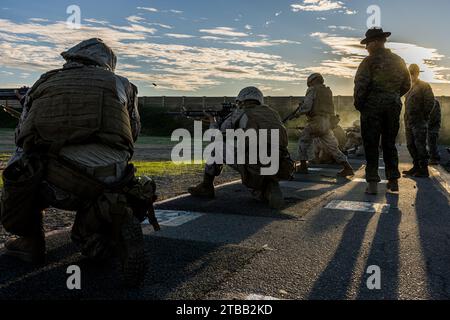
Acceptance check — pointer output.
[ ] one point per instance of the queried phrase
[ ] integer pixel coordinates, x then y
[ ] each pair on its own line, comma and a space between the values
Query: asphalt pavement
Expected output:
319, 246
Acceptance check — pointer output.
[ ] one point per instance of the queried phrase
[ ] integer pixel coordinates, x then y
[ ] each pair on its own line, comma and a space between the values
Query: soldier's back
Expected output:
387, 70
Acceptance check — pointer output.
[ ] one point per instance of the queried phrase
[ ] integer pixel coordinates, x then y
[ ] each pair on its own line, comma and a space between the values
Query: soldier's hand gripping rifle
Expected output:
294, 115
12, 95
220, 113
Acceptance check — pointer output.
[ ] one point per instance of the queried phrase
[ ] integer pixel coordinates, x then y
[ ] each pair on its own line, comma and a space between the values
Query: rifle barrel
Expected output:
10, 94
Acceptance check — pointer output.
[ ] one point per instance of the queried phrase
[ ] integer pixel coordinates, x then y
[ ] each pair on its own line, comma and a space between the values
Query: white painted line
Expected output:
442, 177
316, 169
258, 297
368, 207
174, 218
364, 180
298, 184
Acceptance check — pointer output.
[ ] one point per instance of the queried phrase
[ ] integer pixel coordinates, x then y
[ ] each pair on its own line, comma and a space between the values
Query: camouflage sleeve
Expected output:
308, 103
133, 110
362, 84
233, 121
406, 84
428, 100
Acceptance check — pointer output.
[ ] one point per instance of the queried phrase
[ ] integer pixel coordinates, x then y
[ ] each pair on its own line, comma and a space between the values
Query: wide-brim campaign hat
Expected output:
375, 34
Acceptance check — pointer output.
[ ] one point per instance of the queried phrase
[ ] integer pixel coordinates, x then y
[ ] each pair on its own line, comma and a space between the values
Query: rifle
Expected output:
12, 94
224, 111
294, 115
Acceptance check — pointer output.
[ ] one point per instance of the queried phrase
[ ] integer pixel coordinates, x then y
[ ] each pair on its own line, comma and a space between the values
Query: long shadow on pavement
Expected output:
433, 217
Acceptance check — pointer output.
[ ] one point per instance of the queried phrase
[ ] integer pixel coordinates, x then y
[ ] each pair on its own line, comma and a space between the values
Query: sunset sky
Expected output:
214, 48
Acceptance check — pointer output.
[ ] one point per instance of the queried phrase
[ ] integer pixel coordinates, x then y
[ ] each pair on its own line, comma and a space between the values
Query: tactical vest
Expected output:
74, 106
264, 117
323, 102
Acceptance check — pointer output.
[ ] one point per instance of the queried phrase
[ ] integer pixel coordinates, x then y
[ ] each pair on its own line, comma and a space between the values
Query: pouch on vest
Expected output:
141, 198
287, 167
20, 201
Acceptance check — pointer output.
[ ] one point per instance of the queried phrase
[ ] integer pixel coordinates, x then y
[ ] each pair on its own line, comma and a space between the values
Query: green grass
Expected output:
153, 168
166, 168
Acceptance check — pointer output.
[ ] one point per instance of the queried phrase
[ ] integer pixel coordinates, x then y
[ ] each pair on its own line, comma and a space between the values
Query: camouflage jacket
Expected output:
381, 80
419, 104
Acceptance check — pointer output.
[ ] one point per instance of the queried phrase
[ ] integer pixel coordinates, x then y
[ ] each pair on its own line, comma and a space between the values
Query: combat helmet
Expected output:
315, 76
92, 52
250, 94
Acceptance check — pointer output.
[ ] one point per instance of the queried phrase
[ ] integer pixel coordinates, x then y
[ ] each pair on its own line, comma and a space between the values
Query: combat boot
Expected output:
372, 188
27, 249
204, 189
435, 162
392, 185
422, 172
303, 167
346, 171
411, 171
273, 195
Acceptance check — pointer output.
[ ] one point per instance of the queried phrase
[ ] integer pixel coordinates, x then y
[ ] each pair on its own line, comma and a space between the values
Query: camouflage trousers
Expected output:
23, 205
432, 139
318, 132
416, 141
381, 122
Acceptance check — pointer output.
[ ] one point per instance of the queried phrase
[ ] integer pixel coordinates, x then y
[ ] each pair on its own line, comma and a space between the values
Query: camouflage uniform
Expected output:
319, 127
104, 162
257, 117
419, 103
434, 126
380, 82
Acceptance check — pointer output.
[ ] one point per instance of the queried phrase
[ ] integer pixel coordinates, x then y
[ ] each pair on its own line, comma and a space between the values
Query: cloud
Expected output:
38, 20
176, 11
231, 70
341, 28
165, 26
34, 47
224, 31
317, 5
248, 27
350, 54
135, 19
321, 6
148, 9
91, 20
179, 36
263, 43
212, 38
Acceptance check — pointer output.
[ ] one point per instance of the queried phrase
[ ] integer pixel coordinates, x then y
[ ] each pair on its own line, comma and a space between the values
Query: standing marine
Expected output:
434, 127
318, 106
75, 140
380, 82
251, 114
418, 106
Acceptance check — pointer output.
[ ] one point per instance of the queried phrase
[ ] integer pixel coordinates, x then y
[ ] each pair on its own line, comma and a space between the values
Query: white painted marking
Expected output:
298, 184
257, 297
316, 169
364, 180
442, 177
358, 206
174, 218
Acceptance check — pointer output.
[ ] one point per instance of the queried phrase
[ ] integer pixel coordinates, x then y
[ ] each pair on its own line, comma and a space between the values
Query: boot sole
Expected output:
210, 196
